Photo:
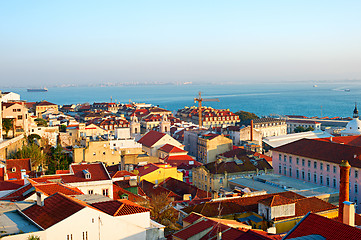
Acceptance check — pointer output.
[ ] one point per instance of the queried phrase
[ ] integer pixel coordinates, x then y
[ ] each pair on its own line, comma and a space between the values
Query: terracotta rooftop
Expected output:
97, 173
118, 191
276, 200
235, 205
191, 218
325, 151
311, 204
56, 208
180, 188
348, 140
150, 138
193, 229
313, 224
11, 184
123, 173
47, 189
168, 148
120, 207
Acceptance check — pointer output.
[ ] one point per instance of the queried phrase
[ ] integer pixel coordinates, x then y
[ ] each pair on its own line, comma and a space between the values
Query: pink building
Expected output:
317, 161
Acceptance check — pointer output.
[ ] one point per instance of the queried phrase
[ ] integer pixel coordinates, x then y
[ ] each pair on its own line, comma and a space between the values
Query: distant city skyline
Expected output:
47, 43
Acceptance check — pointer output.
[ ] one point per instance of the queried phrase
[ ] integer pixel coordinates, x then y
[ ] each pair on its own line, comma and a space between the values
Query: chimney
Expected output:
344, 187
23, 173
39, 199
251, 130
349, 213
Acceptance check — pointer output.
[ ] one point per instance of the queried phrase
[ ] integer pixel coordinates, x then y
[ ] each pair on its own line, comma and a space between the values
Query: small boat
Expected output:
315, 86
37, 89
347, 90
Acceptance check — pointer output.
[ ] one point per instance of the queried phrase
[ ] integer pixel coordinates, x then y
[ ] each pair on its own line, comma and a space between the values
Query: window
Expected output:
285, 158
334, 183
290, 158
205, 178
309, 163
309, 176
314, 164
303, 174
321, 166
13, 169
280, 169
321, 179
290, 172
105, 192
90, 191
356, 188
328, 167
356, 174
297, 161
284, 170
297, 173
221, 179
69, 237
334, 169
328, 181
315, 177
303, 162
20, 117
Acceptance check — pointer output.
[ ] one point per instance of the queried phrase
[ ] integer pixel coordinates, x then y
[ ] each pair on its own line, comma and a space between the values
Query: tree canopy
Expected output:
302, 129
244, 116
7, 125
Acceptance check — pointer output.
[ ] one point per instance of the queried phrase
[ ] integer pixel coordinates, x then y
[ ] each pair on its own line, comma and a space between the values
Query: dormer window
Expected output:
87, 174
13, 169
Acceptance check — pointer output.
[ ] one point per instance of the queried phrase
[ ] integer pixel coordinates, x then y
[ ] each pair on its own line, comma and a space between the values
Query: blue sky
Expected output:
55, 42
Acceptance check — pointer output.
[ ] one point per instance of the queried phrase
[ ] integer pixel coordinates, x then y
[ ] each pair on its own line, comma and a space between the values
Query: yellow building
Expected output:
210, 145
43, 106
157, 173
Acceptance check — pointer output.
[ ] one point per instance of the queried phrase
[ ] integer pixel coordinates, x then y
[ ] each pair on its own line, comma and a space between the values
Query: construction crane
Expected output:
200, 100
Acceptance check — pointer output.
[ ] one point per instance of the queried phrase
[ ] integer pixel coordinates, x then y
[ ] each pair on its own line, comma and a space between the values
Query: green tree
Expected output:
244, 116
41, 122
58, 160
32, 151
8, 124
302, 129
32, 137
62, 128
162, 212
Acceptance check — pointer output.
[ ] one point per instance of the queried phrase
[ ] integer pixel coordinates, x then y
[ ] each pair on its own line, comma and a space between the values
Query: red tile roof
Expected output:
194, 229
313, 224
180, 188
11, 185
150, 138
123, 173
325, 151
168, 148
348, 140
18, 164
45, 103
97, 171
276, 200
150, 189
47, 189
118, 191
62, 172
56, 208
235, 205
311, 204
120, 207
182, 160
191, 218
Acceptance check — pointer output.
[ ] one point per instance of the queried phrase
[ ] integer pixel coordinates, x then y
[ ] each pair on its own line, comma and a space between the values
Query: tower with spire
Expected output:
355, 112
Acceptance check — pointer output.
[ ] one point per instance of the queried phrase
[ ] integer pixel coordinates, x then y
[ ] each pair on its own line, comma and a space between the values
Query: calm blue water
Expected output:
262, 99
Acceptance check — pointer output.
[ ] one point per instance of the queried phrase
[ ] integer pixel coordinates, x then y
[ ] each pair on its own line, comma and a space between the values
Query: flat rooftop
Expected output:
13, 222
273, 183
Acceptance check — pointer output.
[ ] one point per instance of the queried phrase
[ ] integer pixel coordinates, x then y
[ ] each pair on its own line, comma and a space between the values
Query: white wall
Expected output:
97, 224
96, 186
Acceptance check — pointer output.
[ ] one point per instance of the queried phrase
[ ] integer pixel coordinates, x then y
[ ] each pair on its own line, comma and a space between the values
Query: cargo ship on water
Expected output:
37, 89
